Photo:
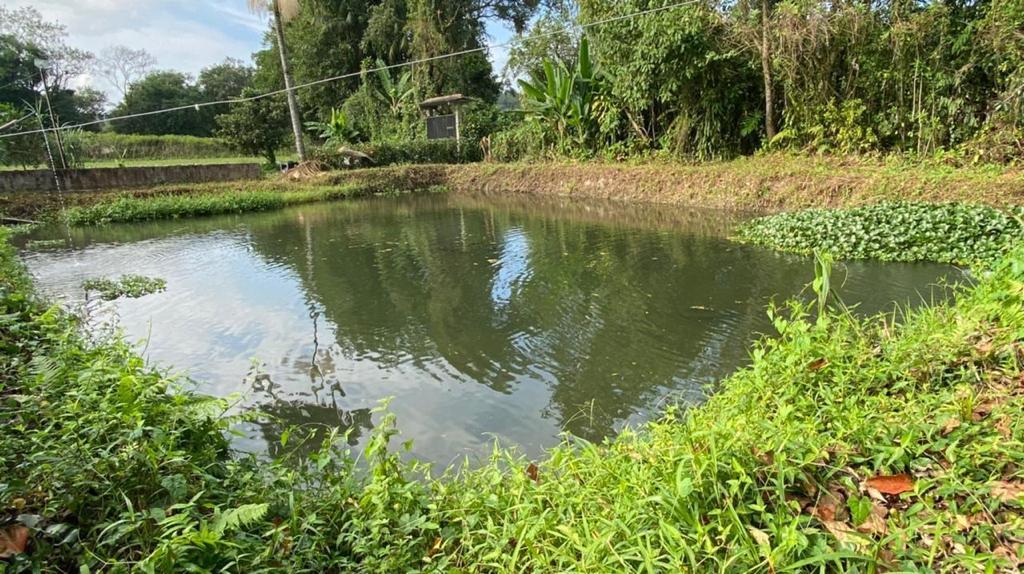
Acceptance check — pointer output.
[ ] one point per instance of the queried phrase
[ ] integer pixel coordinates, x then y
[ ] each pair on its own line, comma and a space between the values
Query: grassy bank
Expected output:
849, 445
944, 232
192, 200
128, 207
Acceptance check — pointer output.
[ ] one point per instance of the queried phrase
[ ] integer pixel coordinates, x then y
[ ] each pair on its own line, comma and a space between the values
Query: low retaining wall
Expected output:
121, 177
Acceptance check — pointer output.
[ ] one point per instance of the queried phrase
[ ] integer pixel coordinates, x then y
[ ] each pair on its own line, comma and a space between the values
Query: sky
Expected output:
185, 35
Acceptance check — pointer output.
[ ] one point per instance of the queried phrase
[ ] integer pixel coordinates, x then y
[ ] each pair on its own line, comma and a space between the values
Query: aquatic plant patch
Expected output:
130, 286
893, 231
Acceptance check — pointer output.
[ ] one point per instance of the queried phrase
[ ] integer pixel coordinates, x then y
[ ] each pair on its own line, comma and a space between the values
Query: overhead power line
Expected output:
199, 105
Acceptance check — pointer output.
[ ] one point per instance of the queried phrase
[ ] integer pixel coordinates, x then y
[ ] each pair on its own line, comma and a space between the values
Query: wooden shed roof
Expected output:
448, 100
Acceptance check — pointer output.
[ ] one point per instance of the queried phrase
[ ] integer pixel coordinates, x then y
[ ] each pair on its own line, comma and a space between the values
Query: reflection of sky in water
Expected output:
479, 322
513, 267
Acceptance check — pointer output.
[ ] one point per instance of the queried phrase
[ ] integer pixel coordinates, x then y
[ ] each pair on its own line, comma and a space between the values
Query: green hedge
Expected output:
112, 147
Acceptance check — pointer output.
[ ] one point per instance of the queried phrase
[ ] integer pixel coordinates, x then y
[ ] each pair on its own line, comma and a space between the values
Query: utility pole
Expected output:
42, 65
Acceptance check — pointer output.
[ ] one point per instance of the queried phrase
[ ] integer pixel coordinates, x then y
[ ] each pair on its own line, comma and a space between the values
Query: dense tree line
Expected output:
716, 78
708, 79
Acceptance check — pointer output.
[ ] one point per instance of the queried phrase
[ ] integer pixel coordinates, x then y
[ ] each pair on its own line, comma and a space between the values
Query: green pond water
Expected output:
484, 318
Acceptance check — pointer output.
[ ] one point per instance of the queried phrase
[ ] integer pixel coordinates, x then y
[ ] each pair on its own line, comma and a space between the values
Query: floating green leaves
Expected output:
894, 231
130, 286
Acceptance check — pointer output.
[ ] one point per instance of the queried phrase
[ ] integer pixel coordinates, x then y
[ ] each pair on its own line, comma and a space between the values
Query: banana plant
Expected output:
337, 131
394, 94
570, 101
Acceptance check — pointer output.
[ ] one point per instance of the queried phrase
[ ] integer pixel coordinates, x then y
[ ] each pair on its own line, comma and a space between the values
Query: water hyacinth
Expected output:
893, 231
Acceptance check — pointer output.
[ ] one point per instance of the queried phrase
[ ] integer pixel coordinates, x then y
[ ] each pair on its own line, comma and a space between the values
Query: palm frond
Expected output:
289, 8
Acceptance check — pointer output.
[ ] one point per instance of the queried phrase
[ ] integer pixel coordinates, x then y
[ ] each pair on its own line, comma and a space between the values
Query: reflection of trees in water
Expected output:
612, 319
317, 414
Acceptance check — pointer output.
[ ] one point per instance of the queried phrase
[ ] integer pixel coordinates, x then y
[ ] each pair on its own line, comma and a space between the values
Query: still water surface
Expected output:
484, 318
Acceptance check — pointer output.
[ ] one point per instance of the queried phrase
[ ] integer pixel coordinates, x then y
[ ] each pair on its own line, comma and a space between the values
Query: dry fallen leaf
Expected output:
1009, 554
1007, 491
984, 409
984, 347
435, 547
844, 532
13, 540
818, 364
830, 506
875, 522
760, 536
895, 484
1003, 426
533, 472
951, 425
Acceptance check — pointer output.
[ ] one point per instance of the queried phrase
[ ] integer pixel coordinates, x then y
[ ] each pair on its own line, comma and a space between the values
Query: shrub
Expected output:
518, 143
409, 152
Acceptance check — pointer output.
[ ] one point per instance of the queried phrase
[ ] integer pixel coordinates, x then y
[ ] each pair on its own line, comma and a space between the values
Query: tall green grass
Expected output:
113, 466
127, 207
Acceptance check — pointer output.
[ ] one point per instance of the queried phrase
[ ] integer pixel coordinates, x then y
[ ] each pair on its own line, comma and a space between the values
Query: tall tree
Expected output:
158, 91
282, 11
122, 66
28, 26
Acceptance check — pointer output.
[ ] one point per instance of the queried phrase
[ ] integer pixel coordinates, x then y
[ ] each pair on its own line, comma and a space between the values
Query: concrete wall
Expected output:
121, 177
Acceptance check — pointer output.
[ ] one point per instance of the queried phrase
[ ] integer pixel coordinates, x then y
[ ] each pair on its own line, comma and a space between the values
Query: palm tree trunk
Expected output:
766, 69
293, 103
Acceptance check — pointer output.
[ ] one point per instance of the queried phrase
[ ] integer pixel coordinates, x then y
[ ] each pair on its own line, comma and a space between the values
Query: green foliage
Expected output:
947, 233
112, 466
23, 151
522, 142
256, 127
128, 286
157, 91
680, 81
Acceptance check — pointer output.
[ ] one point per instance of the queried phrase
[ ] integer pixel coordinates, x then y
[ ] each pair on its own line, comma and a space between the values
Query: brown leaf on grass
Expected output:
13, 540
830, 506
951, 425
895, 484
875, 522
1007, 491
1003, 426
533, 472
803, 503
844, 532
984, 347
435, 547
766, 458
1009, 554
983, 410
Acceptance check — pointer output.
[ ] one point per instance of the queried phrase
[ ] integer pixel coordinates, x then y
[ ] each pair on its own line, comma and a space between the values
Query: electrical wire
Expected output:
199, 105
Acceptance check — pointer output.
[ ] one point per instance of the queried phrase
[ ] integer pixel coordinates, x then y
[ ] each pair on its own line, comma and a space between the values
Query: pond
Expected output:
484, 318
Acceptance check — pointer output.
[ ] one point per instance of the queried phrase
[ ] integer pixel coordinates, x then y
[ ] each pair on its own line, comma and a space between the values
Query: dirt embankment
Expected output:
768, 183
